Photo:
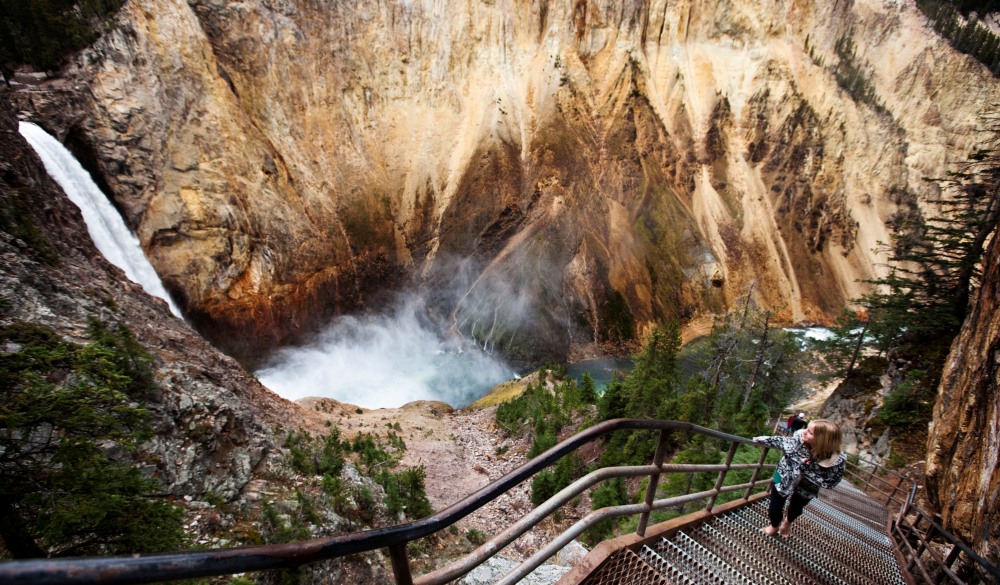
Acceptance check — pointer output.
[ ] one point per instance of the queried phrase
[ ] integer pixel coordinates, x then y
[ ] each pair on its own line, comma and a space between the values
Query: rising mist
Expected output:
386, 360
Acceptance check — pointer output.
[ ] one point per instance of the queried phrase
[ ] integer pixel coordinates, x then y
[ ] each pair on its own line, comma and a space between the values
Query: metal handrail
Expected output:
932, 568
195, 564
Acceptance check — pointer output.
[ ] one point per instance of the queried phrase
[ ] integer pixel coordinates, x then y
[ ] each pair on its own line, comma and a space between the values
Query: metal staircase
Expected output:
842, 537
839, 540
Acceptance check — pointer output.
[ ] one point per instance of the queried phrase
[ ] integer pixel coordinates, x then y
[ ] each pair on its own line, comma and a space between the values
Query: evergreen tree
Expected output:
64, 409
42, 32
588, 395
842, 350
752, 367
651, 388
613, 402
936, 261
610, 493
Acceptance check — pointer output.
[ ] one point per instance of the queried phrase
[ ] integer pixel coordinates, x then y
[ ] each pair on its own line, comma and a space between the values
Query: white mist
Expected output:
385, 361
106, 227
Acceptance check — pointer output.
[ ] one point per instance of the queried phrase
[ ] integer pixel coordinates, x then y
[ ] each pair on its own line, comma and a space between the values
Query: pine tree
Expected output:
588, 395
936, 261
651, 388
65, 408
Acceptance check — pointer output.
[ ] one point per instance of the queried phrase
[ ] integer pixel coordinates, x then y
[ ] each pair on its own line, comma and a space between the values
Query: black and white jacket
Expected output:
797, 470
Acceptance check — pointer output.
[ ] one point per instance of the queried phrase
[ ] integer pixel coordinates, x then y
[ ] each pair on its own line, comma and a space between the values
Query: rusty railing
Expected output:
207, 563
918, 545
929, 552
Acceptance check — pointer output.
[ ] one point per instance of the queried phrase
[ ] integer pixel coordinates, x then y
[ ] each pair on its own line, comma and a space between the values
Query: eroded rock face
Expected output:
558, 175
963, 446
214, 423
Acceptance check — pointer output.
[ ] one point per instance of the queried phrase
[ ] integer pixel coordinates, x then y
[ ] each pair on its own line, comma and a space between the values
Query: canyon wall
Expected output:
557, 176
963, 445
214, 424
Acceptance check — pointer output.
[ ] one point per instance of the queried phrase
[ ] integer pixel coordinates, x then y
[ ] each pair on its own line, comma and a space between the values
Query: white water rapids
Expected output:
107, 229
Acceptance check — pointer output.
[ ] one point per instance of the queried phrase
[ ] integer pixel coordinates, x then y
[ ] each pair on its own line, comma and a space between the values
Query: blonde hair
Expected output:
826, 439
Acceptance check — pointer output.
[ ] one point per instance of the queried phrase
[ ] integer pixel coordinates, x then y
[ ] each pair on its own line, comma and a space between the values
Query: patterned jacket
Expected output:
798, 463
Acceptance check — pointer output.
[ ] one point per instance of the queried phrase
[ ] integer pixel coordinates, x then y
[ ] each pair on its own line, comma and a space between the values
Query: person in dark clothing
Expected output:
797, 422
812, 460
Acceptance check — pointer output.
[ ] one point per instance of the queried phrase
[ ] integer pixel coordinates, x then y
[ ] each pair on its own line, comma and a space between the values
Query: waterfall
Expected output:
107, 229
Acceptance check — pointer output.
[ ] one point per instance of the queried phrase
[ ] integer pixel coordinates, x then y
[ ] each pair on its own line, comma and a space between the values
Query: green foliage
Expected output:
936, 262
475, 537
307, 459
286, 522
841, 352
543, 410
610, 493
64, 409
544, 440
372, 453
852, 77
650, 391
745, 371
651, 388
909, 404
550, 482
612, 403
588, 394
967, 35
42, 32
750, 370
698, 451
405, 493
128, 356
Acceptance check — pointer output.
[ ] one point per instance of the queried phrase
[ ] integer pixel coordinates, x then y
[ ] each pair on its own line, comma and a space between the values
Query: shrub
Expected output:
64, 494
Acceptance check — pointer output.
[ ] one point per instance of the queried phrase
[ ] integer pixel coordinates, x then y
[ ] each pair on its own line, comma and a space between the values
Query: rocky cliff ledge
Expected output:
568, 172
963, 447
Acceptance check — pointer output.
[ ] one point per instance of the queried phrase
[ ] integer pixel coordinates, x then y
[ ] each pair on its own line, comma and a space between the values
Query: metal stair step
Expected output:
838, 540
711, 562
625, 567
755, 545
733, 552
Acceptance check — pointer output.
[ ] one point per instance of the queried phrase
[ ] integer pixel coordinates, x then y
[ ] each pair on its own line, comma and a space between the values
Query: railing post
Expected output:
952, 556
899, 482
722, 477
654, 480
400, 564
905, 508
756, 473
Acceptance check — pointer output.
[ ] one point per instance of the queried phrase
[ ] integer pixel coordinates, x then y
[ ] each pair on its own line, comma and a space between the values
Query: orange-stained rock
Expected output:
963, 446
558, 175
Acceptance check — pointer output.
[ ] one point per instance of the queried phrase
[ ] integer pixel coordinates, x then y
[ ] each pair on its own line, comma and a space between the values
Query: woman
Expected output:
812, 460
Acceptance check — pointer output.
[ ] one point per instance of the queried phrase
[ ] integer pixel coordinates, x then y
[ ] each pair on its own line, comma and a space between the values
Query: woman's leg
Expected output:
795, 507
776, 507
794, 511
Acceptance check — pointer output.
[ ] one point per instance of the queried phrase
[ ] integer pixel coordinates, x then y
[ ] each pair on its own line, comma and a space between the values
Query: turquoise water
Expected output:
602, 370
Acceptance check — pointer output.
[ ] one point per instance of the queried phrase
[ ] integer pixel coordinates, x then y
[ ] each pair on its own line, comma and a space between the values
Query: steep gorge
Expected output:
558, 176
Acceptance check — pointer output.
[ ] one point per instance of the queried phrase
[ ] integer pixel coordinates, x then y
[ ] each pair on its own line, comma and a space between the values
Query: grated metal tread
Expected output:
815, 564
625, 567
733, 552
839, 540
854, 502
